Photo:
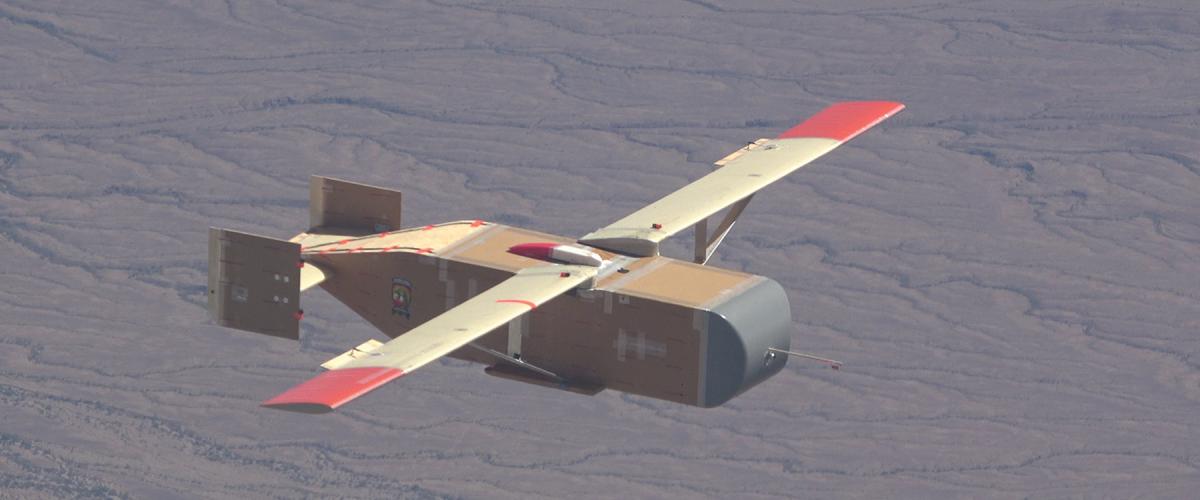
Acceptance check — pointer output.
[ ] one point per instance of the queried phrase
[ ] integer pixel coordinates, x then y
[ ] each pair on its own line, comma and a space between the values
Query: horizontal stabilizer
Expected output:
312, 275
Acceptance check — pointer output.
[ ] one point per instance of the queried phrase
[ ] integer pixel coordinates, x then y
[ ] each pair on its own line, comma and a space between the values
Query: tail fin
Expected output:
254, 283
342, 207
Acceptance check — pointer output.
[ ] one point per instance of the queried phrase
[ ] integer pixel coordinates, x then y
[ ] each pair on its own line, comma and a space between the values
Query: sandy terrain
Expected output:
1009, 268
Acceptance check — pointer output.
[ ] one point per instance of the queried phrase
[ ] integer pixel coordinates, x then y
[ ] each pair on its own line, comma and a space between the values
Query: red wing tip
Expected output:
844, 120
329, 390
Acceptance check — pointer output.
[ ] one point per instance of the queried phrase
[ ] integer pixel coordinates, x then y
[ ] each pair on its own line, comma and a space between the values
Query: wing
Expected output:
640, 233
435, 338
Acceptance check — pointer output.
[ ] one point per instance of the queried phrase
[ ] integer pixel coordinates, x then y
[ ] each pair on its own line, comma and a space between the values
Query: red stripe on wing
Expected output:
844, 120
517, 301
332, 389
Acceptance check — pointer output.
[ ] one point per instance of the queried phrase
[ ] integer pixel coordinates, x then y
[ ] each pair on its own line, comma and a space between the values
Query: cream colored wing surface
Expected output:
640, 233
435, 338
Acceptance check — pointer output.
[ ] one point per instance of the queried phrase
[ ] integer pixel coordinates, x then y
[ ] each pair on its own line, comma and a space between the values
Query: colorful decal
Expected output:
402, 297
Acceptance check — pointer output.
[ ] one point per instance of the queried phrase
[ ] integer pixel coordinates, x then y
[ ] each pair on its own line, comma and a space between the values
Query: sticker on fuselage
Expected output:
402, 297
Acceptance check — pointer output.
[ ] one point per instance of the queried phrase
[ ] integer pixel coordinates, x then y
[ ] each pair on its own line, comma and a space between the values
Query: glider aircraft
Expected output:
578, 314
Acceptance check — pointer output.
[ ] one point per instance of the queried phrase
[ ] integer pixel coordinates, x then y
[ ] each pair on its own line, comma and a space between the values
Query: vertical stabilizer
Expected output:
343, 207
254, 283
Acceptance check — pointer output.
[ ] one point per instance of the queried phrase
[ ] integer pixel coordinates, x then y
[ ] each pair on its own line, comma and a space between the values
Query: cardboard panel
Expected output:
254, 283
341, 204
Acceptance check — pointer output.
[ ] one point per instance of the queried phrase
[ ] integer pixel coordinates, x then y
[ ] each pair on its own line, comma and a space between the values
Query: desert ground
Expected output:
1010, 268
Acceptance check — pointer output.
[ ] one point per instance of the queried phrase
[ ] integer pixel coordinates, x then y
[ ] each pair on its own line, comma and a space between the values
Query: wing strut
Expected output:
519, 362
706, 244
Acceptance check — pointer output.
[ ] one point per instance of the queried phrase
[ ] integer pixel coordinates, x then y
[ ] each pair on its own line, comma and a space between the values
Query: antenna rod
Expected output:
835, 364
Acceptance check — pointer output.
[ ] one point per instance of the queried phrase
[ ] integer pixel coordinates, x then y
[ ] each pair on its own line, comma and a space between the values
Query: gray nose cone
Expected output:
739, 332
